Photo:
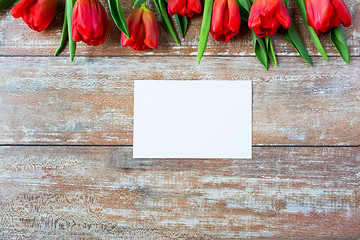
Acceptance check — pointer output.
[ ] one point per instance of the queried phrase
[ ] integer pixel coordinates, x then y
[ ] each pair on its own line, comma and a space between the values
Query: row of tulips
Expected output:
87, 21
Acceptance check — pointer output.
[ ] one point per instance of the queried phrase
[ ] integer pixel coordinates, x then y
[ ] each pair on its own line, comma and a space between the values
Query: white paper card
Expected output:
192, 119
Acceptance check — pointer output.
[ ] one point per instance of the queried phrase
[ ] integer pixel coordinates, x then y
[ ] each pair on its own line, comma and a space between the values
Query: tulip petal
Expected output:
310, 14
125, 41
255, 12
266, 16
95, 21
183, 12
217, 37
186, 8
259, 31
74, 33
84, 20
217, 19
42, 13
139, 39
225, 22
21, 7
319, 14
143, 29
266, 22
282, 15
273, 28
105, 29
194, 6
175, 6
335, 22
90, 22
234, 16
342, 12
151, 29
269, 7
134, 20
37, 14
225, 28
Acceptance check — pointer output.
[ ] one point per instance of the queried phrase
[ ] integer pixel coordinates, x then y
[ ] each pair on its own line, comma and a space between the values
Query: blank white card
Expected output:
192, 119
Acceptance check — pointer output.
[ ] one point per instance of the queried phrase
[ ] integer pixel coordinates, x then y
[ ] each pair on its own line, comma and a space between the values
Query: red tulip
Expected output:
143, 29
186, 8
267, 15
37, 14
324, 15
225, 21
89, 22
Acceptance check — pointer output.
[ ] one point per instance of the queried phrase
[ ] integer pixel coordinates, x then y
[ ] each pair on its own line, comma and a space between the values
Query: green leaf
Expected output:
260, 50
293, 37
182, 24
311, 31
118, 16
244, 14
244, 6
270, 50
64, 35
338, 38
317, 42
157, 7
68, 13
162, 9
138, 3
286, 3
205, 28
7, 3
16, 1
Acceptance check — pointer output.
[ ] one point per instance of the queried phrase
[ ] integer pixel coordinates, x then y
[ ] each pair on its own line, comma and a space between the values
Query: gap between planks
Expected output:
114, 145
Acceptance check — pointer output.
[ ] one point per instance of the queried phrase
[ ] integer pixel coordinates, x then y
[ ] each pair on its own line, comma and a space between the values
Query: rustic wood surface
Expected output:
101, 192
66, 166
91, 101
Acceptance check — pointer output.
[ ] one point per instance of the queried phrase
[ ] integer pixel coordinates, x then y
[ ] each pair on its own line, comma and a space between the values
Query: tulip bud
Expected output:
186, 8
37, 14
267, 15
143, 29
89, 22
323, 15
225, 21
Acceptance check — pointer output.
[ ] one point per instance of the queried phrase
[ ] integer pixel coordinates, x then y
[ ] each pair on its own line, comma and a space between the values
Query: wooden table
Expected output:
66, 167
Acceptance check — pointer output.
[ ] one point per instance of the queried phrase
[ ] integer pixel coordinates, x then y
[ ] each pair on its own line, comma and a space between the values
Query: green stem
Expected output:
72, 43
64, 34
313, 35
205, 28
162, 9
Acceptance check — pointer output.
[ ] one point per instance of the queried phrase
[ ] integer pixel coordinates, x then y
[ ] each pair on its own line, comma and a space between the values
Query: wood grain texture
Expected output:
102, 193
53, 101
17, 39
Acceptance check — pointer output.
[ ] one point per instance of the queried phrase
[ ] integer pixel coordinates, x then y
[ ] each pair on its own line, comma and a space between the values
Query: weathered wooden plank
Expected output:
101, 192
53, 101
17, 39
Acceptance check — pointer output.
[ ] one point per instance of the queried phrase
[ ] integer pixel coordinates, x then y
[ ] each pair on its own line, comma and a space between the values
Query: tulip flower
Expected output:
143, 29
267, 15
89, 22
37, 14
323, 15
186, 8
225, 21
